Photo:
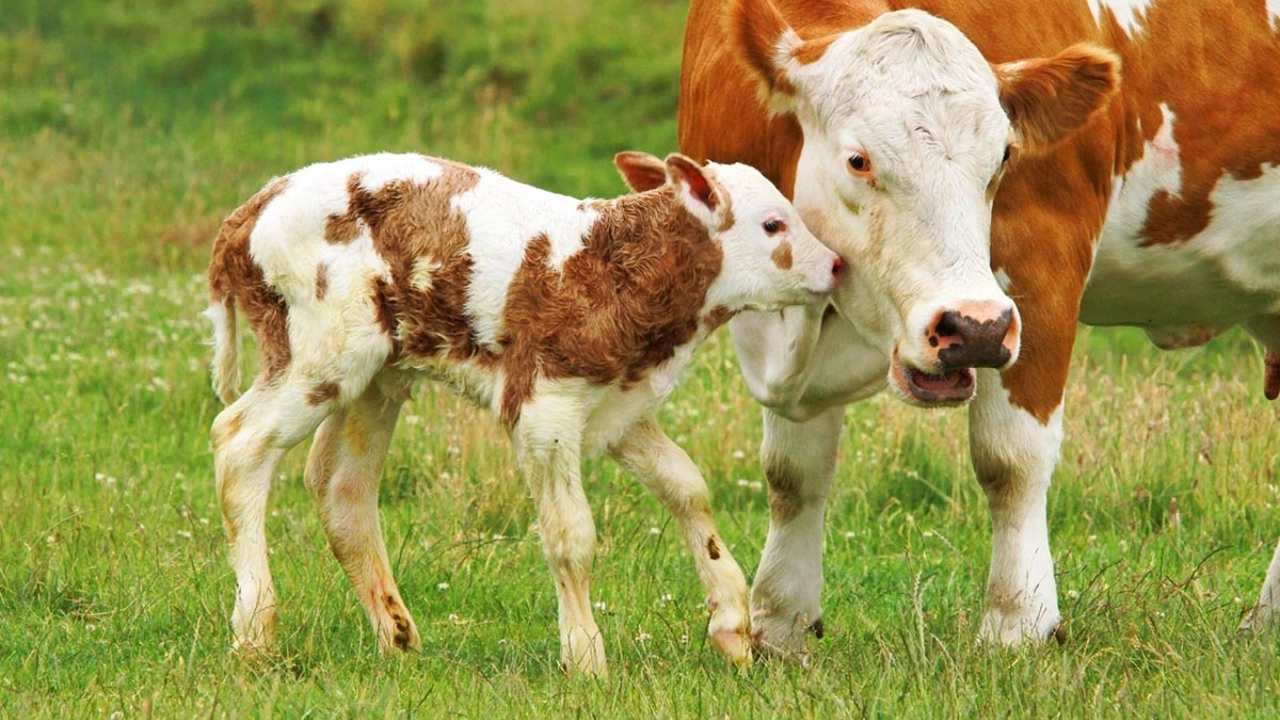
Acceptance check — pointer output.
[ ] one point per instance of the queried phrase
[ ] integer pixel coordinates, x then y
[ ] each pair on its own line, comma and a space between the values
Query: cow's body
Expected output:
1165, 201
569, 319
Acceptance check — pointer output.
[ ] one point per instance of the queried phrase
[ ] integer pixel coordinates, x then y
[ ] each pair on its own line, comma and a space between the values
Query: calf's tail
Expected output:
226, 347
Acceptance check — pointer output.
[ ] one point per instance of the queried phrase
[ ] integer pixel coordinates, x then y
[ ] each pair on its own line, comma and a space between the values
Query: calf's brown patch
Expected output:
782, 255
233, 273
618, 307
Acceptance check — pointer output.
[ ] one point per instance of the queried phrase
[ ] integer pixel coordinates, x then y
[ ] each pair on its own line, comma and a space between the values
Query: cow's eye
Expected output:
773, 226
1008, 149
859, 163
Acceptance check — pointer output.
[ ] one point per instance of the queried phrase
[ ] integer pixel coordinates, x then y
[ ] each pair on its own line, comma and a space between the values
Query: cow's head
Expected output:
907, 132
770, 259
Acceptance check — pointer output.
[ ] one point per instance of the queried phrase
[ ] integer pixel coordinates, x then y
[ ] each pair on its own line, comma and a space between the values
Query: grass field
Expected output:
127, 130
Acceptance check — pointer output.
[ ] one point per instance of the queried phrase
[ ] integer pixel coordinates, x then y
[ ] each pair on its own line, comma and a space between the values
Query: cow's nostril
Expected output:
837, 266
948, 325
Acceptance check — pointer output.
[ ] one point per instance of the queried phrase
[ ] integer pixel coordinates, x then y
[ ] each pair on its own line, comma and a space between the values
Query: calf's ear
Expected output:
641, 171
1047, 99
698, 189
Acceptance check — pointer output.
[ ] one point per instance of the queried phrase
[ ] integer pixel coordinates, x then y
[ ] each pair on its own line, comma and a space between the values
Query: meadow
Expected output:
128, 130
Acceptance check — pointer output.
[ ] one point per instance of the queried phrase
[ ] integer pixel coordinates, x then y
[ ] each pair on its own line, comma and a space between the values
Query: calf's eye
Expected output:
1007, 150
774, 226
859, 163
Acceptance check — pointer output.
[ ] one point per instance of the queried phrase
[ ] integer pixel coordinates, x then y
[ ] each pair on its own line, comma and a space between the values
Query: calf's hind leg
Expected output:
666, 469
249, 438
343, 473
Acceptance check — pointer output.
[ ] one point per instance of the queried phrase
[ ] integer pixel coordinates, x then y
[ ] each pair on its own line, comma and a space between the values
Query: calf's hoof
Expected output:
735, 645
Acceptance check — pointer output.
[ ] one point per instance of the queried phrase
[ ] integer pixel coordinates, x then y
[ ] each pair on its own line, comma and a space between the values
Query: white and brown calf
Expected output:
569, 319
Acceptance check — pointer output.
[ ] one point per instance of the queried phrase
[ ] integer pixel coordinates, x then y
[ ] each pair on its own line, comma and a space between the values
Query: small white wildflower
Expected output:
739, 455
442, 586
684, 639
655, 531
600, 605
849, 535
498, 537
453, 618
755, 486
184, 534
666, 597
1073, 594
743, 482
643, 637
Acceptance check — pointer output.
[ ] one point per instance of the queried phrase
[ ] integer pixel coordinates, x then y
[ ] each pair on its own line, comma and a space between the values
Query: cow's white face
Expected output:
905, 139
907, 132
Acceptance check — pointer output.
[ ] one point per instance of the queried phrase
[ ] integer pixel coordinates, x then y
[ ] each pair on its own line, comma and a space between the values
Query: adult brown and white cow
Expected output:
1112, 161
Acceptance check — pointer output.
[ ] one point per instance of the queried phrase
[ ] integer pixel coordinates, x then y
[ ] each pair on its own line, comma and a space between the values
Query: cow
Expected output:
569, 319
995, 171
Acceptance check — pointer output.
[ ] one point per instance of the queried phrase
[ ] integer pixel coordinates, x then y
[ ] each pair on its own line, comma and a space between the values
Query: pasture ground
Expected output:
128, 130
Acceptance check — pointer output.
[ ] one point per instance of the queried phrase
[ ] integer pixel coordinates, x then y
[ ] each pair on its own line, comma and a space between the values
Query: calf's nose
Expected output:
974, 335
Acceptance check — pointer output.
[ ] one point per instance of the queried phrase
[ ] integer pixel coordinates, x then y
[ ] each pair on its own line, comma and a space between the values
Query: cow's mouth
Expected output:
952, 387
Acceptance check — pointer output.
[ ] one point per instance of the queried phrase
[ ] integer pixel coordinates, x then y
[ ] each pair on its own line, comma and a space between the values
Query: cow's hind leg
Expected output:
799, 462
343, 472
1266, 329
664, 468
249, 438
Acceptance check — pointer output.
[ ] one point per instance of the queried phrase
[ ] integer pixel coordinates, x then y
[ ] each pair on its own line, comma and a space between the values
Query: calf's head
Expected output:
907, 133
770, 259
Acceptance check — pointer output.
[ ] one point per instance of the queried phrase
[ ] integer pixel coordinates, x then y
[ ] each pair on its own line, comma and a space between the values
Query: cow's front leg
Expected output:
1015, 438
665, 469
799, 461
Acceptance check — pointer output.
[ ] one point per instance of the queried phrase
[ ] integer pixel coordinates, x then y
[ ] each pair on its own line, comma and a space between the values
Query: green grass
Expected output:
127, 130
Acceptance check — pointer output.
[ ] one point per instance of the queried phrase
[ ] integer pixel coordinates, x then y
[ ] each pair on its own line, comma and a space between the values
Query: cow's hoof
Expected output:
1256, 620
1011, 631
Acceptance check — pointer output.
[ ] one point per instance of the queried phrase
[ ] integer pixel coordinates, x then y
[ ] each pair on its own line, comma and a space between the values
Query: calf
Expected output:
569, 319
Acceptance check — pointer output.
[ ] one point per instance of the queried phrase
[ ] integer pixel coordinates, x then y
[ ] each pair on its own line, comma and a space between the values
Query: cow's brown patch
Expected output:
233, 273
618, 307
323, 393
1217, 71
713, 548
782, 255
322, 280
784, 489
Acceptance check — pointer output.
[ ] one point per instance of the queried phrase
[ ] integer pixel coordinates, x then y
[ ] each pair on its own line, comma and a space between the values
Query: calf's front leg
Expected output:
548, 441
667, 471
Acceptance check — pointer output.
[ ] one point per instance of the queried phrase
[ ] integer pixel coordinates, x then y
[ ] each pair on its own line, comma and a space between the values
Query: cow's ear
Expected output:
1047, 99
767, 44
699, 190
641, 171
